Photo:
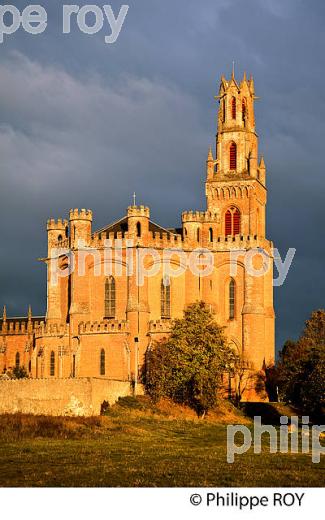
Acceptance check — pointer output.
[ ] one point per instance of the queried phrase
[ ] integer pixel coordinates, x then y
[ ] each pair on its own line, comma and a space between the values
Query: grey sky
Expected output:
84, 124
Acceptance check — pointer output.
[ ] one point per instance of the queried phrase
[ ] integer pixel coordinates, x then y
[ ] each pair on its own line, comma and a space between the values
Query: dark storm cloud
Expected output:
84, 124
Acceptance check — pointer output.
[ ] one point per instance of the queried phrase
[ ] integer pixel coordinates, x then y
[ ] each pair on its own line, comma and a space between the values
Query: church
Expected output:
102, 316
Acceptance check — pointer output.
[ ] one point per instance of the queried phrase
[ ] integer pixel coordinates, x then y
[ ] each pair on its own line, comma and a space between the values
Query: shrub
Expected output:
188, 366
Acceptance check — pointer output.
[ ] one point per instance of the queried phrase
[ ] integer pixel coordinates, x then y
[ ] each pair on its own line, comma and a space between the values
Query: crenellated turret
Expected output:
80, 226
57, 233
138, 221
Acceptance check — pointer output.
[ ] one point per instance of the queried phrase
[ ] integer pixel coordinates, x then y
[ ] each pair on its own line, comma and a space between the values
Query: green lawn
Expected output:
134, 448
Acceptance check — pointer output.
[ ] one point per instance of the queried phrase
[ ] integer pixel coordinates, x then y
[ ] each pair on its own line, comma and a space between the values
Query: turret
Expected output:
80, 226
57, 232
192, 225
138, 221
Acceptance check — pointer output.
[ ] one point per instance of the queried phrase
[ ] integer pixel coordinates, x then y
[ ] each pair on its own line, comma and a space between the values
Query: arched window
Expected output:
198, 234
228, 223
233, 107
102, 368
210, 234
244, 110
138, 229
60, 238
17, 360
52, 364
165, 297
233, 156
110, 297
232, 290
232, 221
249, 163
236, 222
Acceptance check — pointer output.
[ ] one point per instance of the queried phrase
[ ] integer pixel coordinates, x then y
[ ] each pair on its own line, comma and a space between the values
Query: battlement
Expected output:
105, 326
57, 225
138, 211
124, 240
81, 214
160, 326
238, 242
53, 329
199, 216
18, 327
170, 240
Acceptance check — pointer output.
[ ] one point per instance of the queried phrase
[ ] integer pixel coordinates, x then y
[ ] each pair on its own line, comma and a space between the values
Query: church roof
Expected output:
121, 225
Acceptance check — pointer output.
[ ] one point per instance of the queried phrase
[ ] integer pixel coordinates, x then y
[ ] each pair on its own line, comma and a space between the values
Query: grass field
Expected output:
140, 445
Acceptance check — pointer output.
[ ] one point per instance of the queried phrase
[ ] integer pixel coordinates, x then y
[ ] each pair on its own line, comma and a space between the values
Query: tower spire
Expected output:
262, 163
4, 320
29, 322
233, 70
134, 199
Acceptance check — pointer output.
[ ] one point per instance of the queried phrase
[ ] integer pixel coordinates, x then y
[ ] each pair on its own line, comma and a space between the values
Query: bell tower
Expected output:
235, 184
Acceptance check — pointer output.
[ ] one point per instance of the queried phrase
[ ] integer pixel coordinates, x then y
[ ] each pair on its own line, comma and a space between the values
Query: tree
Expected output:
301, 369
17, 373
188, 366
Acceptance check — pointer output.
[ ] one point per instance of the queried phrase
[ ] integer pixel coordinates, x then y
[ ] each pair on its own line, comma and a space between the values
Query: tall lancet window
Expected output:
232, 221
244, 110
110, 298
232, 296
233, 156
233, 107
165, 297
52, 364
102, 363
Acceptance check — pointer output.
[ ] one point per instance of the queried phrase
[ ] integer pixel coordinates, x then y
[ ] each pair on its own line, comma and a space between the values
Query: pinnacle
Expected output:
251, 85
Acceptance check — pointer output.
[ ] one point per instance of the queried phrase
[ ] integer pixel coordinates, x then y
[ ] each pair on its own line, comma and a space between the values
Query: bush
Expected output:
188, 366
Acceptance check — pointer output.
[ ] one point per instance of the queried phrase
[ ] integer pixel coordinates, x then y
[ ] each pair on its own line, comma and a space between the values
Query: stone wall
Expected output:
82, 396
